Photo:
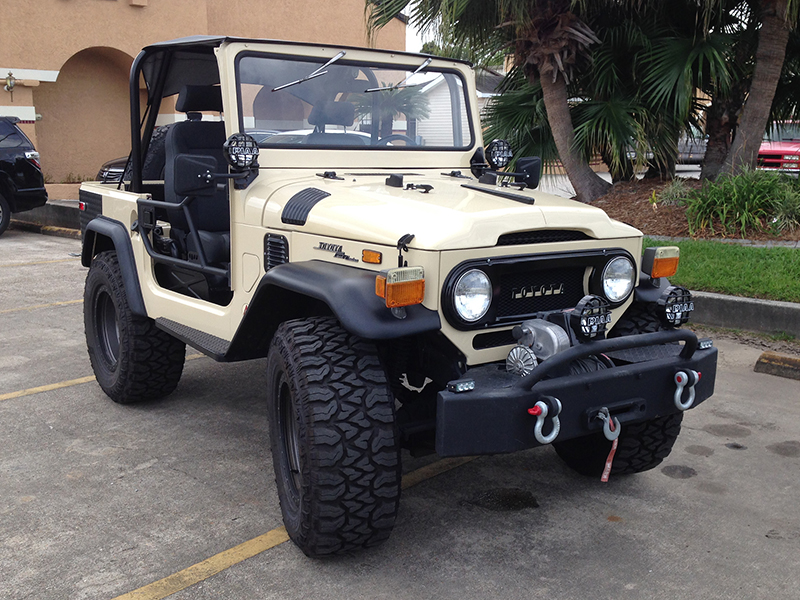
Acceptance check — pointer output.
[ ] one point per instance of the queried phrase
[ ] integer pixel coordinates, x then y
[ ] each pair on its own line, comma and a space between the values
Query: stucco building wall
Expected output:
71, 60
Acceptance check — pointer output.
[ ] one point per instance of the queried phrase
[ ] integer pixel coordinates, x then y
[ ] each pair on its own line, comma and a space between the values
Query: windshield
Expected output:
312, 103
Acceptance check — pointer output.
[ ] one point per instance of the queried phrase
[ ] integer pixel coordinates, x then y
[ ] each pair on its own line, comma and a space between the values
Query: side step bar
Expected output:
208, 344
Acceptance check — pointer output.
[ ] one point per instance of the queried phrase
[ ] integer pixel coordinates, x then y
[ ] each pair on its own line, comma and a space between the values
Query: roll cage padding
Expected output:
119, 240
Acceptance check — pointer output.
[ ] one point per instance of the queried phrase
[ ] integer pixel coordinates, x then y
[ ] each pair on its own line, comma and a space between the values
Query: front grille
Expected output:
530, 291
276, 251
493, 339
525, 285
546, 236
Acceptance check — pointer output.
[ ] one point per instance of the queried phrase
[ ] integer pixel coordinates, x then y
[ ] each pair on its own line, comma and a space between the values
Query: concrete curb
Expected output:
56, 213
780, 365
750, 314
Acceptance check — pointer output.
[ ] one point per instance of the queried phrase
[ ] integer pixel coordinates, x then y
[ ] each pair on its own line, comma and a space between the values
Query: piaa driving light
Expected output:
498, 154
590, 318
240, 150
403, 286
472, 295
674, 306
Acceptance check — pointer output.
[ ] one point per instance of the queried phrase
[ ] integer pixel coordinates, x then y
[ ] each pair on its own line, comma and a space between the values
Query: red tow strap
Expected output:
610, 459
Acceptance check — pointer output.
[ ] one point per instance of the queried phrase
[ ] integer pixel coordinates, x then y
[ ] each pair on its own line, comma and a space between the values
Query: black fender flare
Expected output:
287, 291
103, 234
647, 293
350, 294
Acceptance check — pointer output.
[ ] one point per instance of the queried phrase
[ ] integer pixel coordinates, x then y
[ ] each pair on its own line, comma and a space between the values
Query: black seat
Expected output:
210, 215
333, 113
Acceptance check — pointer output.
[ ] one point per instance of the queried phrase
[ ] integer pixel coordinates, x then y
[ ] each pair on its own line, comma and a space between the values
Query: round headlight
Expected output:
618, 277
472, 295
241, 151
498, 154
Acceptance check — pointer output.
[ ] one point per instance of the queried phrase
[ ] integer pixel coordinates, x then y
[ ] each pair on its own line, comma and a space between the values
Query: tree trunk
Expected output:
589, 186
722, 117
721, 120
770, 53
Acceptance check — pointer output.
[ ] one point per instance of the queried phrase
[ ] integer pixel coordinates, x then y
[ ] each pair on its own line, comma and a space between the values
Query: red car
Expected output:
780, 149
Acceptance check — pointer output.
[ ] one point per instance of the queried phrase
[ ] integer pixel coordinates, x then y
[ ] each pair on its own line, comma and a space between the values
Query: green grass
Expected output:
769, 273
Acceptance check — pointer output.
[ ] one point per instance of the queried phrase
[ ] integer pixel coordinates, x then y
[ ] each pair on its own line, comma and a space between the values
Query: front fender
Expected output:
304, 289
350, 294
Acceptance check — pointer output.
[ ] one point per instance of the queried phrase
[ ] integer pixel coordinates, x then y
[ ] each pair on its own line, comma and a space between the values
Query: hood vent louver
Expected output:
546, 236
276, 251
299, 206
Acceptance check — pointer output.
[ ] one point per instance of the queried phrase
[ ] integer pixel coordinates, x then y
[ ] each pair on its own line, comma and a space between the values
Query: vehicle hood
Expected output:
449, 216
792, 146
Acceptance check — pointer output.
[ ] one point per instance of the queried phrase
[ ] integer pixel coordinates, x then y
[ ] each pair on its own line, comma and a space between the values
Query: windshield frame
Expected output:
407, 64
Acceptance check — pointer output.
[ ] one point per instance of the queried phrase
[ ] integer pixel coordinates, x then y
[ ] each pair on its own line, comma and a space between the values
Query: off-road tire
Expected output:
5, 214
641, 447
132, 359
640, 317
334, 441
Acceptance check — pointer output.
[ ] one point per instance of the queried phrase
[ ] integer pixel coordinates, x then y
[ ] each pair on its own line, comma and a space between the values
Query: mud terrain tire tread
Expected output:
640, 317
149, 361
346, 494
641, 447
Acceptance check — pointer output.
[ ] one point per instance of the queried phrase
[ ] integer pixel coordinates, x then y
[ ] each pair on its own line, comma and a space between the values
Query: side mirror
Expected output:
530, 171
194, 175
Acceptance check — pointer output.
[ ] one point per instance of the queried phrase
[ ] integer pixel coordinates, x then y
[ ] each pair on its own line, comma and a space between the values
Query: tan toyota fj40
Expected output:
335, 210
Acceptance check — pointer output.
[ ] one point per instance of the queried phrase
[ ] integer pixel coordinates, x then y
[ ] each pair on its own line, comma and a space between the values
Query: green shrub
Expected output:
752, 201
674, 193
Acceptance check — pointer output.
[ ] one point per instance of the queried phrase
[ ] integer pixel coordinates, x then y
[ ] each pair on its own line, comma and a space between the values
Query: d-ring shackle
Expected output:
682, 379
541, 410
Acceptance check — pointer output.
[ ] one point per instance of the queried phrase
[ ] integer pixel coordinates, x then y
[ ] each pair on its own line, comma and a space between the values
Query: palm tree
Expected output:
637, 97
777, 18
549, 42
391, 102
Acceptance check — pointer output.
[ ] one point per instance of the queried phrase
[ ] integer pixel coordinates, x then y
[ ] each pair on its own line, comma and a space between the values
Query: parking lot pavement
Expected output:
98, 500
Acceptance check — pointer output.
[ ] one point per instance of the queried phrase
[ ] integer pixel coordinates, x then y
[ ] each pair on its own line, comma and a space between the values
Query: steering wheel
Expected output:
396, 137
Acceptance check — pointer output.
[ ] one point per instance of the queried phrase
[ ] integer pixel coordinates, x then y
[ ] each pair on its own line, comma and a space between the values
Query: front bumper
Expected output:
493, 418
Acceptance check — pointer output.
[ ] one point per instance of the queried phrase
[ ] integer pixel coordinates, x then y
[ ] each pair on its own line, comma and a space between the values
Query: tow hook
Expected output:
611, 427
683, 379
548, 405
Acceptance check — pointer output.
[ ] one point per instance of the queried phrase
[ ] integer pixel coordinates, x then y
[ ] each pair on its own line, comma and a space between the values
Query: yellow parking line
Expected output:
46, 388
207, 568
190, 576
40, 262
62, 384
37, 306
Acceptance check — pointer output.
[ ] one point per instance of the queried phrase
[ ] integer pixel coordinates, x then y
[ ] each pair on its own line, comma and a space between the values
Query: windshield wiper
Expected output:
317, 73
399, 84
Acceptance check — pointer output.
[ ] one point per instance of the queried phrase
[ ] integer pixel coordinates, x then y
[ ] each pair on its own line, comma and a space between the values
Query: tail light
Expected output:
33, 157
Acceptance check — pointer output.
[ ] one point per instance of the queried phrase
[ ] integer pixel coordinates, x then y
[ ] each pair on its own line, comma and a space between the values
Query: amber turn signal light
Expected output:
372, 257
404, 286
661, 261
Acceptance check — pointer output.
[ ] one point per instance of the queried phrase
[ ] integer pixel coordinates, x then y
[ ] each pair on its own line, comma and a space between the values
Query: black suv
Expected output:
21, 180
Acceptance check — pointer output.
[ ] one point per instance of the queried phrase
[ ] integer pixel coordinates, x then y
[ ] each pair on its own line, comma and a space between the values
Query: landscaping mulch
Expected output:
631, 203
